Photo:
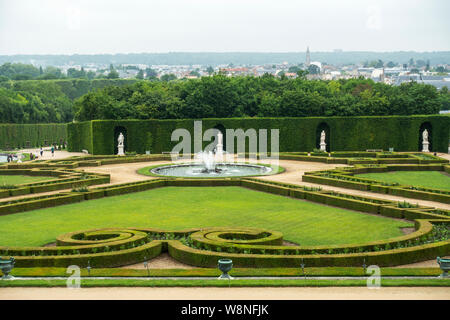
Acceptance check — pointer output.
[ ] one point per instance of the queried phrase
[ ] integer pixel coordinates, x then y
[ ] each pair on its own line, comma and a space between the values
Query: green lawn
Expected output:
176, 208
427, 179
13, 179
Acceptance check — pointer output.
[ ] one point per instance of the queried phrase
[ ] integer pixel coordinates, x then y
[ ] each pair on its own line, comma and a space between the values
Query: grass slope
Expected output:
175, 208
427, 179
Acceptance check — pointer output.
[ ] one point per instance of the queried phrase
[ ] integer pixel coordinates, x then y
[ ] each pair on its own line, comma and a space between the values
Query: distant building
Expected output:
438, 81
308, 57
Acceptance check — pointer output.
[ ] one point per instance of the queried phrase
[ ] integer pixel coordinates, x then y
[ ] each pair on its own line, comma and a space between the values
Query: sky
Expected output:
133, 26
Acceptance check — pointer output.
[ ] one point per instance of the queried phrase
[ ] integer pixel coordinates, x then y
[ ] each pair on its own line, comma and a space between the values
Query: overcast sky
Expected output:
132, 26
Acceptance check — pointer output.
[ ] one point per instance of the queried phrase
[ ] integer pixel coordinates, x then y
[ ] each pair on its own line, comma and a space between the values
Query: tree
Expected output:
302, 74
150, 73
444, 97
140, 75
168, 77
113, 74
313, 69
420, 63
376, 63
210, 70
74, 73
90, 75
194, 73
294, 69
391, 64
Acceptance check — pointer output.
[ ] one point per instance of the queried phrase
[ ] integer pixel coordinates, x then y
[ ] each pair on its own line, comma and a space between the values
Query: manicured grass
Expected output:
176, 208
233, 283
427, 179
19, 179
214, 272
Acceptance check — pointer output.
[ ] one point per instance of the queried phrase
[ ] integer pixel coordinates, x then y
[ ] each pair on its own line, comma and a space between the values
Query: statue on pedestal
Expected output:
323, 145
425, 142
120, 145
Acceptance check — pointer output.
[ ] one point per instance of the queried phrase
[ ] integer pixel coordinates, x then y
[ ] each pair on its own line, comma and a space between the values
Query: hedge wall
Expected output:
32, 135
296, 134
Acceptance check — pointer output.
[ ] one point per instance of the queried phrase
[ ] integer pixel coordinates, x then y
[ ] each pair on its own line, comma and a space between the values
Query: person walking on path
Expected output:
53, 151
42, 152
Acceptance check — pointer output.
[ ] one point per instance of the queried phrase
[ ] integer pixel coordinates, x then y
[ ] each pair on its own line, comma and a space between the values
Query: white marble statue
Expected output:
425, 142
323, 145
425, 135
120, 145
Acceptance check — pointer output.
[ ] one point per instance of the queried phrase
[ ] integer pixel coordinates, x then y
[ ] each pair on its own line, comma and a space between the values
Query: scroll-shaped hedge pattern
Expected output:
248, 247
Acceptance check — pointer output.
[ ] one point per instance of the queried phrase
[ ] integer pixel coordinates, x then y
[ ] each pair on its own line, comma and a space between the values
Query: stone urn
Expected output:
6, 265
225, 265
445, 266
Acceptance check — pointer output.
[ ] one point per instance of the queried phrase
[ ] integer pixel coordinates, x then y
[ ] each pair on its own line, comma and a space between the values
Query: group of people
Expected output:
10, 157
41, 152
33, 156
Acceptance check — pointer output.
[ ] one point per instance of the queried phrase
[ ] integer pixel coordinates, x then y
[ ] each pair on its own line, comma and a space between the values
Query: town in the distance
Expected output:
391, 68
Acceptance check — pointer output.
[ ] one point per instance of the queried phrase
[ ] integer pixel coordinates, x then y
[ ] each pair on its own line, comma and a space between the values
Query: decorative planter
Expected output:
225, 265
445, 266
6, 265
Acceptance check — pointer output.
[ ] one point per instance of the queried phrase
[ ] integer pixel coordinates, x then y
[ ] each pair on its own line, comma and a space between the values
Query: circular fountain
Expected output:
219, 170
212, 165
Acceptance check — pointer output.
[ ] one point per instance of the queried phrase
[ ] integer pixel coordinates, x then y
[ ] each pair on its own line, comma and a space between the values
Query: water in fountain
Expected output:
207, 160
209, 164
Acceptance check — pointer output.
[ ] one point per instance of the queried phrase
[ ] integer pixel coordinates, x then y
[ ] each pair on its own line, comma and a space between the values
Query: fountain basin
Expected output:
221, 170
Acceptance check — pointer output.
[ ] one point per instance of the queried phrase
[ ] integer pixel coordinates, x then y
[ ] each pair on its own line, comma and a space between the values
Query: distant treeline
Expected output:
60, 101
237, 58
220, 96
45, 101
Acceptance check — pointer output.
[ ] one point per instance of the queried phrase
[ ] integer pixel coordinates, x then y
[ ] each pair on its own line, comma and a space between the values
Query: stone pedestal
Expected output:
323, 147
425, 147
120, 151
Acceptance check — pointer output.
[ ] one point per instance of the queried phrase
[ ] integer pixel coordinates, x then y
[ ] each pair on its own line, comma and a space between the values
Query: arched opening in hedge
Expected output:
323, 126
117, 131
428, 127
222, 130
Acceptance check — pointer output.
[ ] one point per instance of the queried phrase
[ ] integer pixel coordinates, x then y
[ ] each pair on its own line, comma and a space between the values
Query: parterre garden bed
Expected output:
423, 178
250, 230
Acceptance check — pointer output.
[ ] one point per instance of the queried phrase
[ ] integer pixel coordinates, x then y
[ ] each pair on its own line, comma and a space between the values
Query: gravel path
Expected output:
291, 293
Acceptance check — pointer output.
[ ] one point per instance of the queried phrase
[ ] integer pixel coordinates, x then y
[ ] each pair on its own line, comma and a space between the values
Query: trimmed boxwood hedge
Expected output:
64, 179
296, 134
247, 247
345, 178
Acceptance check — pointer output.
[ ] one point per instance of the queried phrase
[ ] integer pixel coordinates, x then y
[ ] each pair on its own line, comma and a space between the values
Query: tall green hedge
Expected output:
296, 134
33, 135
79, 136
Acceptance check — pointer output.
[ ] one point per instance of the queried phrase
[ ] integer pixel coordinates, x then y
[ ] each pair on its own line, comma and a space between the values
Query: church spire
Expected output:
308, 57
